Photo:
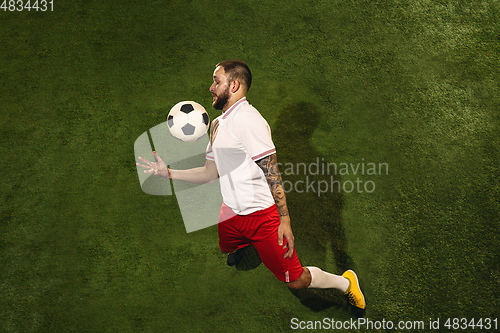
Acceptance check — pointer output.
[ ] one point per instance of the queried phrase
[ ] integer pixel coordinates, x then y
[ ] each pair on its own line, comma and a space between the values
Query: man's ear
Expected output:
236, 86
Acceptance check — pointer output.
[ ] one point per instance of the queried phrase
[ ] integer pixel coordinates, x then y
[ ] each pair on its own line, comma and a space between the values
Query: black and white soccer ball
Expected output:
188, 121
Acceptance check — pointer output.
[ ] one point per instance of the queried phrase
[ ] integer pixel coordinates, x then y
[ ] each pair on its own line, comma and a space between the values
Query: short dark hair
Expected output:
237, 70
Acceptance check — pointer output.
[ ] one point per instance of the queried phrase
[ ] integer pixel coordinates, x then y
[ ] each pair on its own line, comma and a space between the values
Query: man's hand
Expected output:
269, 166
285, 230
158, 168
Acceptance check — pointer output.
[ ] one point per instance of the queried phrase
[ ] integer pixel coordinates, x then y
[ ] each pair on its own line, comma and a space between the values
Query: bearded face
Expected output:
220, 100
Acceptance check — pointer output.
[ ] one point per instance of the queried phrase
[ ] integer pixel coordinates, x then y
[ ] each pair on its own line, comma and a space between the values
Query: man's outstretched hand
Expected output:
158, 168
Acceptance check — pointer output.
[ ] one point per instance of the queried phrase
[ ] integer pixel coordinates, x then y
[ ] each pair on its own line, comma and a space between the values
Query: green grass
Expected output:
413, 84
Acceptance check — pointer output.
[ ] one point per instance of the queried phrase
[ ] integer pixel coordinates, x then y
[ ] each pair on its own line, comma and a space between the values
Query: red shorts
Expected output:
261, 230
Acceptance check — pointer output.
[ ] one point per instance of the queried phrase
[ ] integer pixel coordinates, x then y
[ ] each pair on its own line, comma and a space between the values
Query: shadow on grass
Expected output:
316, 217
250, 259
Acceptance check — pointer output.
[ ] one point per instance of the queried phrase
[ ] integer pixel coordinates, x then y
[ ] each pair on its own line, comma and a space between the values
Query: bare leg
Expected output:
313, 277
303, 281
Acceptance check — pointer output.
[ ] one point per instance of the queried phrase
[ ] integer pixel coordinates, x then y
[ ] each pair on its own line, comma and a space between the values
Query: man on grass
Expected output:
241, 152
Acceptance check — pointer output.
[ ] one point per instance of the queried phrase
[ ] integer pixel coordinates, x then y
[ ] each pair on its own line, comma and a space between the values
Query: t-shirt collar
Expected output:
234, 106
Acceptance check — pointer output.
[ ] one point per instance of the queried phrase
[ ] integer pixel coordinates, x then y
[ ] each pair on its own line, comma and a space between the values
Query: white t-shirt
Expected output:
243, 137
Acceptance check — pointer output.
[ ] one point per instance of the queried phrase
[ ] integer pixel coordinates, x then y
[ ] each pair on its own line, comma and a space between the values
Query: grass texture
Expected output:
410, 84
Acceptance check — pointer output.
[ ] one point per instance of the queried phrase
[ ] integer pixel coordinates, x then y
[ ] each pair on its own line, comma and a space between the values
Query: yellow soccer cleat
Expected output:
354, 295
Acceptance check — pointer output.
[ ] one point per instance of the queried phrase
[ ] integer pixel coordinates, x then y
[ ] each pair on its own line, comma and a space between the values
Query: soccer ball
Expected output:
188, 121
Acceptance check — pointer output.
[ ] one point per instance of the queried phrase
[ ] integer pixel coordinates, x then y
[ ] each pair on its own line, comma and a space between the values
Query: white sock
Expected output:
321, 279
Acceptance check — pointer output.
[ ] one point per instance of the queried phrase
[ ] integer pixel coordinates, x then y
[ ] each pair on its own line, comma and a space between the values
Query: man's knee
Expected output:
302, 282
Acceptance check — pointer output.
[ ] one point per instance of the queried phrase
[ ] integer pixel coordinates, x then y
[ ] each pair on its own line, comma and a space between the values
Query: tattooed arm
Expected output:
270, 167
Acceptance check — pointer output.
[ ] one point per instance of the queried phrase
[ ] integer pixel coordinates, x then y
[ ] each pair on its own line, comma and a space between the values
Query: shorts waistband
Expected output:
256, 213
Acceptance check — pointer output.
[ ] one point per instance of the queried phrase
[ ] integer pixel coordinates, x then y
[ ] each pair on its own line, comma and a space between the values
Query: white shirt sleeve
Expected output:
255, 135
209, 152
